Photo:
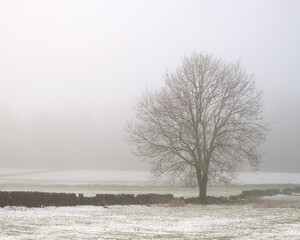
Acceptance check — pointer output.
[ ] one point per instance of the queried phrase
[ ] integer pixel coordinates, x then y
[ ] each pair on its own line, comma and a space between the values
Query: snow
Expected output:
128, 177
267, 178
141, 222
75, 176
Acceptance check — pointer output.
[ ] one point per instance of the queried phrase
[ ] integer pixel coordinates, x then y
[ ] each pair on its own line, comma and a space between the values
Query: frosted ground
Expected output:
279, 219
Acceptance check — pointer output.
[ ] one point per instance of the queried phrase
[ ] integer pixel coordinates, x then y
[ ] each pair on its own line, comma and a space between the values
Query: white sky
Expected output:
71, 71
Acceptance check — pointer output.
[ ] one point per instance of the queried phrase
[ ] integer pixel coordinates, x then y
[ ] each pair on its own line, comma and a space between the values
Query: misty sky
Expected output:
71, 72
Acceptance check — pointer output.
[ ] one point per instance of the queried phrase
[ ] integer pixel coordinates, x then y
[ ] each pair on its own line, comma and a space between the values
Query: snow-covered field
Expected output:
154, 222
91, 182
279, 220
75, 177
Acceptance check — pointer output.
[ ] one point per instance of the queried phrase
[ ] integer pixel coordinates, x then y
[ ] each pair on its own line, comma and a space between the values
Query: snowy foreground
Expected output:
278, 219
154, 222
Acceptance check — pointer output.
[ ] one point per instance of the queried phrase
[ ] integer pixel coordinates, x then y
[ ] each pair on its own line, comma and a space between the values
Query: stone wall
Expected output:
43, 199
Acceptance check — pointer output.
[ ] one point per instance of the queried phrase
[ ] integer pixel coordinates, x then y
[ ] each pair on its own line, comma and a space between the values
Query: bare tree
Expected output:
204, 124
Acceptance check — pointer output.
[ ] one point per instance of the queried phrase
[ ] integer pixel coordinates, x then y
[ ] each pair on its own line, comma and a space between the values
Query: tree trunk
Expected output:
202, 191
202, 184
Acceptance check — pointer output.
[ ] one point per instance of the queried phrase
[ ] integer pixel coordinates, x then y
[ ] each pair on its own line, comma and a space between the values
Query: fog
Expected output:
72, 71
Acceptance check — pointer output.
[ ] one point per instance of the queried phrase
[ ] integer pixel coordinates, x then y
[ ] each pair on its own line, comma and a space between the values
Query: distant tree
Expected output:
204, 124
